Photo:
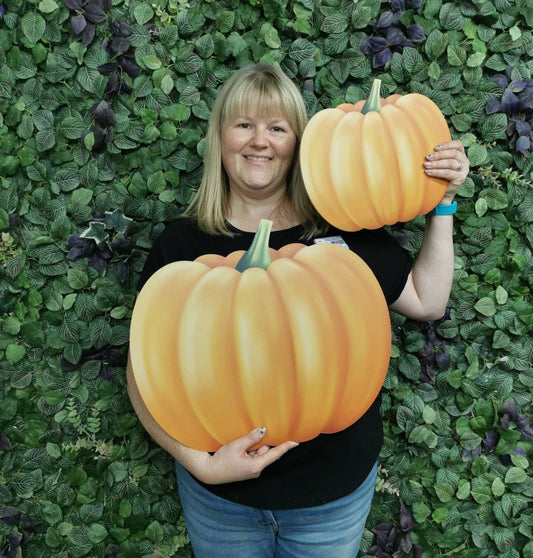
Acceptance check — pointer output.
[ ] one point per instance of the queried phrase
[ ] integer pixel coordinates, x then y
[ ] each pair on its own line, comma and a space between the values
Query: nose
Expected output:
260, 136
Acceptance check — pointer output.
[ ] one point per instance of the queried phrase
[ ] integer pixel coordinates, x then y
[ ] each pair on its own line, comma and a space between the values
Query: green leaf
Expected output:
270, 35
99, 333
143, 13
15, 353
48, 6
33, 26
485, 306
515, 475
152, 62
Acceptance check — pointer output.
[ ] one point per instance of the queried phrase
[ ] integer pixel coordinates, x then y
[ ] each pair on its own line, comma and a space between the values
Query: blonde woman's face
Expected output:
257, 153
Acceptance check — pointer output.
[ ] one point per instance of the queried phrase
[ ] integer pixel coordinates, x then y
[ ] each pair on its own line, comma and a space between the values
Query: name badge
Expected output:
332, 240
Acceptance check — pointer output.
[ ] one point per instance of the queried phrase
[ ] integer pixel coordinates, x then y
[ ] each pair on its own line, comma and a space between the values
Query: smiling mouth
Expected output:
256, 158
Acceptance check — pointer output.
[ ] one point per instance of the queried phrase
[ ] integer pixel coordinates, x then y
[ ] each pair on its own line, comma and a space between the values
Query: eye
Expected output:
244, 125
277, 129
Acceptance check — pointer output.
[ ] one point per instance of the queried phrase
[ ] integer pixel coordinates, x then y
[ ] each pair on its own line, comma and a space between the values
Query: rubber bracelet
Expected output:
449, 209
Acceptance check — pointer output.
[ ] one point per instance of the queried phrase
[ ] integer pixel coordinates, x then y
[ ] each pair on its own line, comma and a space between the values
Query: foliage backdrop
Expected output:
103, 108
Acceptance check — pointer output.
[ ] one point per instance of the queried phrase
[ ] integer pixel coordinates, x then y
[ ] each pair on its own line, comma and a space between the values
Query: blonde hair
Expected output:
267, 88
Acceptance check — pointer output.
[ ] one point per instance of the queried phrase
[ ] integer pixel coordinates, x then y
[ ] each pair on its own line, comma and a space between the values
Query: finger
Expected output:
249, 440
258, 451
273, 454
454, 144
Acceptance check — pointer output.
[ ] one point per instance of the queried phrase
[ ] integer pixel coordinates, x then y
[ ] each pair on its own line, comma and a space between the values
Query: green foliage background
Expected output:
78, 474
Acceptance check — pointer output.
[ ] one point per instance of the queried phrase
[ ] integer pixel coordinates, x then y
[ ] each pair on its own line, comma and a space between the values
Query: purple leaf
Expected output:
489, 441
78, 24
413, 4
73, 5
377, 44
125, 88
442, 359
122, 245
418, 551
98, 263
94, 13
10, 515
405, 544
129, 67
66, 365
111, 550
407, 522
3, 11
500, 80
107, 373
107, 4
416, 33
517, 86
5, 444
112, 85
364, 46
394, 36
119, 45
493, 105
381, 58
509, 408
107, 68
120, 29
88, 35
523, 143
104, 114
526, 100
397, 5
385, 20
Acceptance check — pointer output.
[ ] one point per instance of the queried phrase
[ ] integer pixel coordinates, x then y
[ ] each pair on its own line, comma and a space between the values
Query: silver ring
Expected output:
459, 167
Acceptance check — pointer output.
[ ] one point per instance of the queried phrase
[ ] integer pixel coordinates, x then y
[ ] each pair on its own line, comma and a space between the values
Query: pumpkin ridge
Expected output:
409, 154
345, 146
307, 316
204, 346
358, 279
314, 164
328, 281
375, 135
258, 327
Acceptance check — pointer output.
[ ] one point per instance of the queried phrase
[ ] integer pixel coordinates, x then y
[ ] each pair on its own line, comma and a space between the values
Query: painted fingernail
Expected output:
261, 431
294, 444
438, 146
430, 156
427, 165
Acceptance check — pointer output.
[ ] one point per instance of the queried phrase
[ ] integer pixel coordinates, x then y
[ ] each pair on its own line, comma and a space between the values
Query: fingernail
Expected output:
427, 165
294, 444
438, 146
430, 156
261, 431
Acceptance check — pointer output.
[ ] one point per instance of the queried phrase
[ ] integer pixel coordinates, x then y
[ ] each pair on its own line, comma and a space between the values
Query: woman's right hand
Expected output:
234, 461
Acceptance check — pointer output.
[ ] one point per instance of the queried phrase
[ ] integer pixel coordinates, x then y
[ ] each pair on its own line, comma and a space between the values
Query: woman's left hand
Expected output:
448, 161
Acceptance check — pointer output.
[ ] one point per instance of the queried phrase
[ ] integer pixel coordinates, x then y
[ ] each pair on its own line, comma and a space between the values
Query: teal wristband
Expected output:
444, 209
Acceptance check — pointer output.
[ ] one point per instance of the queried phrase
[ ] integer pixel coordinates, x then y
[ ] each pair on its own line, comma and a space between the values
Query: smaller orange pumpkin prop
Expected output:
362, 164
297, 340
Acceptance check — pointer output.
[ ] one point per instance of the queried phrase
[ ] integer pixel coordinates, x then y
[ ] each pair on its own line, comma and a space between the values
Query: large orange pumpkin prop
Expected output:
222, 345
363, 164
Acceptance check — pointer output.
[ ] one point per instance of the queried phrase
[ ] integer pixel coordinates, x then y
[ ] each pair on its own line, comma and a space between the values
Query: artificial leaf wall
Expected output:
103, 109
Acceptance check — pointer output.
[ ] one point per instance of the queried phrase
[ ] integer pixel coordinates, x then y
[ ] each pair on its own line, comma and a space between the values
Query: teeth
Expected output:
252, 158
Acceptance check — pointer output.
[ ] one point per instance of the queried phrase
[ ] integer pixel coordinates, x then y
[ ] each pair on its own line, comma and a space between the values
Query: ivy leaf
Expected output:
96, 232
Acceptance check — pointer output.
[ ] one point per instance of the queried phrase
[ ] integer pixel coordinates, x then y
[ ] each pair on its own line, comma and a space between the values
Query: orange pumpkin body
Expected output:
364, 171
301, 347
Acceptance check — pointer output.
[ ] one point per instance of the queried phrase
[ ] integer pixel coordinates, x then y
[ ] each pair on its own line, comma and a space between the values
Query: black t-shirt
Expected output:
332, 465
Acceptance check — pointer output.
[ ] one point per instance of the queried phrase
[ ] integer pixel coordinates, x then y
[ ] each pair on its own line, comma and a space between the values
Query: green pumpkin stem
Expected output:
373, 102
258, 254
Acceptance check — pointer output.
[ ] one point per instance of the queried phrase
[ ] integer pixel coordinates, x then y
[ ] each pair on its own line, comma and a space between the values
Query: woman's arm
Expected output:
428, 286
232, 462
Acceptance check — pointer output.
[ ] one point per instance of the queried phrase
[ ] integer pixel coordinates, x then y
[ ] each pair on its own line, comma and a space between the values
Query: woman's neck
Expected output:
246, 214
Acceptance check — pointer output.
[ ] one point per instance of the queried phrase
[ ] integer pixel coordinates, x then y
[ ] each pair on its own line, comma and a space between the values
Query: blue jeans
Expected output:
219, 528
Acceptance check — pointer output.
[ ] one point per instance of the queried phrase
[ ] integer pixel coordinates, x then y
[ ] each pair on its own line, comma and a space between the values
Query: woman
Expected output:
299, 500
